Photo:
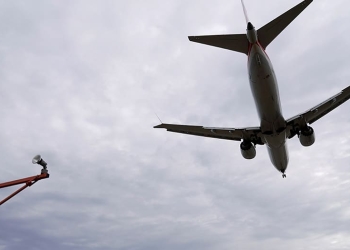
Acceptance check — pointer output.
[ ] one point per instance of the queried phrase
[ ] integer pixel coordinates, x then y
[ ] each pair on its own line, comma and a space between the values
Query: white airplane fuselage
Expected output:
273, 129
263, 84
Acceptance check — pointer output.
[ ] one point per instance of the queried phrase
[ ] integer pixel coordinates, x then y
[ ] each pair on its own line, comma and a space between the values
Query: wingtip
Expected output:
307, 2
158, 126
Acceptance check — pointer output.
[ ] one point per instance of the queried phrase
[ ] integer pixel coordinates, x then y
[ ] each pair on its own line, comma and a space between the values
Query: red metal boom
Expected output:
28, 182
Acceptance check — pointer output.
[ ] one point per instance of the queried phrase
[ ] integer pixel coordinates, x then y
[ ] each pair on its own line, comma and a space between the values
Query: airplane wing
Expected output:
236, 134
317, 112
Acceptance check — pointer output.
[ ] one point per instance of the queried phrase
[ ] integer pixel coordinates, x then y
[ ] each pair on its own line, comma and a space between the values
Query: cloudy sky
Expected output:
80, 83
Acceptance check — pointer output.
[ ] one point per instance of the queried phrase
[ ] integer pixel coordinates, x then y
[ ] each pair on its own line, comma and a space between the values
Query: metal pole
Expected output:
28, 182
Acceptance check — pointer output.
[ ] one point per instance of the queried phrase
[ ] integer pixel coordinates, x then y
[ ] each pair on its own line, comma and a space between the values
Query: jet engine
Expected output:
247, 150
307, 136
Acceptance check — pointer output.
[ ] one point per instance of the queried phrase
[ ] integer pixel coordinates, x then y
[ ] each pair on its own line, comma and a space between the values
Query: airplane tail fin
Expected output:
245, 12
235, 42
270, 31
265, 35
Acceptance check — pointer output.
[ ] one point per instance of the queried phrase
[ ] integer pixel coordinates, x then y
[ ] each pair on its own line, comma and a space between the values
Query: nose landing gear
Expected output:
284, 176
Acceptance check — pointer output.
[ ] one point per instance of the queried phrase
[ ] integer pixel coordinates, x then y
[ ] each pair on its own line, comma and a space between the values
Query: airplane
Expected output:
274, 130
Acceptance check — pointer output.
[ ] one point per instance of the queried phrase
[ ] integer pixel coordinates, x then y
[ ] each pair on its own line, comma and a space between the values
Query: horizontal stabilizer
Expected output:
236, 42
271, 30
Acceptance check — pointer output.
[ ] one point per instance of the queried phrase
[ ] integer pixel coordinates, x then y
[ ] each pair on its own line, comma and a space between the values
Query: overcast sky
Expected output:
80, 83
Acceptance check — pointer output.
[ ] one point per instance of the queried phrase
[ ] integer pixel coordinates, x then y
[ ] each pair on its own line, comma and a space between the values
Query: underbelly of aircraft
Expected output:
263, 85
264, 88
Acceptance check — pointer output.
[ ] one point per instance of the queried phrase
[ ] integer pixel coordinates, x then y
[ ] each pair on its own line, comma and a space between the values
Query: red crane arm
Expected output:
28, 182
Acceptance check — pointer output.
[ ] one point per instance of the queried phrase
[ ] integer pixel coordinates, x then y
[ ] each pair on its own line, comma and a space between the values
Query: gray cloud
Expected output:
80, 83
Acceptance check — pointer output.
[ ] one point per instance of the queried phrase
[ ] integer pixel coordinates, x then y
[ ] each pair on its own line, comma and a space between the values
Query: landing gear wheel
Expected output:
284, 175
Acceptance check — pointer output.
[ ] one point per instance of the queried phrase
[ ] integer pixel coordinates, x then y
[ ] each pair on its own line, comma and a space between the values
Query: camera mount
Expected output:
29, 181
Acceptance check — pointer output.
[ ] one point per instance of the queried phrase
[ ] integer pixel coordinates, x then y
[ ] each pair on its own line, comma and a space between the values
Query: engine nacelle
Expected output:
307, 136
247, 150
